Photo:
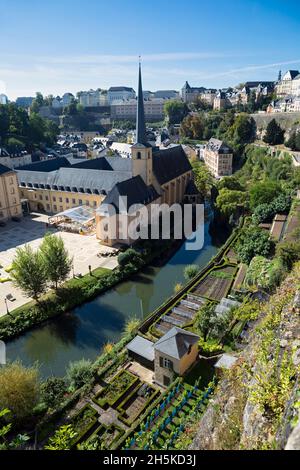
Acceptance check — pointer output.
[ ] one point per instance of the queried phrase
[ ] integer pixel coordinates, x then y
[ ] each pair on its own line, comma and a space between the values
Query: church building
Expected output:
157, 177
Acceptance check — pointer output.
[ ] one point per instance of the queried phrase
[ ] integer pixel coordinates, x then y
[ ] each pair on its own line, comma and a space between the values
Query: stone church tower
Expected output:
141, 151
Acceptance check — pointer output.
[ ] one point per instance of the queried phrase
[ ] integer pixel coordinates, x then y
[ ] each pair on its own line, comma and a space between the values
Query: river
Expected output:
83, 332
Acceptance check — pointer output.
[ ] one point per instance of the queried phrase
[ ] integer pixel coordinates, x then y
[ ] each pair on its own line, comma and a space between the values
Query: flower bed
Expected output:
83, 423
135, 403
122, 383
104, 436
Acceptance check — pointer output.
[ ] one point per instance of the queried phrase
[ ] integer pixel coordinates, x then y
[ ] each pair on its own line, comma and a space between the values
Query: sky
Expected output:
58, 46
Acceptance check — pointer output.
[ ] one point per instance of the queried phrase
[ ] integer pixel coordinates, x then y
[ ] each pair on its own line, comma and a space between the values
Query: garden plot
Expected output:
181, 315
216, 284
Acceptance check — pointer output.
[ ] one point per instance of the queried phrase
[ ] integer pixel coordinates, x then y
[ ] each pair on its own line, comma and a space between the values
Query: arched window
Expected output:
139, 155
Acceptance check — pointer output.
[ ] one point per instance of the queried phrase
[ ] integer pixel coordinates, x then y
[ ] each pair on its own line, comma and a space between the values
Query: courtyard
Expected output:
85, 250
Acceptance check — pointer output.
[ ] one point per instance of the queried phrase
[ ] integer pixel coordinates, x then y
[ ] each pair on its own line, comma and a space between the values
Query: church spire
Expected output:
141, 137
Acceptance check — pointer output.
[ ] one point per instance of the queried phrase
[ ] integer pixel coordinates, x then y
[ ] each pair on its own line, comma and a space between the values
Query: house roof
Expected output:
219, 146
143, 347
136, 191
120, 88
4, 169
226, 361
176, 342
170, 163
46, 165
74, 179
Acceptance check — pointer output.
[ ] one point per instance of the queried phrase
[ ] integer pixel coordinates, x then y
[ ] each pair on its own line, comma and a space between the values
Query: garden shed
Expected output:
141, 350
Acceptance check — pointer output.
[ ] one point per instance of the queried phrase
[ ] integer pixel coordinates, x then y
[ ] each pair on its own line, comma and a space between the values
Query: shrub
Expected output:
19, 389
53, 390
79, 373
191, 271
253, 241
129, 257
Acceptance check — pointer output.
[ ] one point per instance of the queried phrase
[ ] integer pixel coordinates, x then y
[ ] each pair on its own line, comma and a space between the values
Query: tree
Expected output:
274, 134
53, 390
294, 141
79, 373
62, 439
28, 272
175, 111
204, 319
253, 241
229, 201
19, 389
192, 126
37, 103
191, 271
203, 178
264, 193
130, 256
56, 259
243, 130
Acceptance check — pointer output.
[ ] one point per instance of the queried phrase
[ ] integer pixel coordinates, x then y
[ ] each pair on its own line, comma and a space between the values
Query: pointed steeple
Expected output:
141, 137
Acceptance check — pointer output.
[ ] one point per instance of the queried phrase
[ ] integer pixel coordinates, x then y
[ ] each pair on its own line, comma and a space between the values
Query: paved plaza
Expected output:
31, 230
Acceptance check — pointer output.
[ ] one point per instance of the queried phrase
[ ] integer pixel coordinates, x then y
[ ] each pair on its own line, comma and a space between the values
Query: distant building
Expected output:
191, 94
127, 109
166, 94
93, 98
285, 86
3, 99
24, 101
10, 204
120, 93
221, 101
14, 159
218, 157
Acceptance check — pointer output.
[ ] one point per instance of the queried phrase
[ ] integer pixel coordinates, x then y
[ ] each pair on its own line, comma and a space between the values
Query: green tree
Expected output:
53, 390
130, 256
62, 439
264, 193
79, 373
243, 130
274, 134
28, 272
204, 320
229, 201
56, 259
175, 111
203, 178
253, 241
37, 103
19, 389
192, 127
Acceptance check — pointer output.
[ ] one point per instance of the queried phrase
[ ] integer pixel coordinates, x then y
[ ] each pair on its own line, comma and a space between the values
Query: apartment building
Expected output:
218, 157
10, 204
285, 86
120, 93
127, 109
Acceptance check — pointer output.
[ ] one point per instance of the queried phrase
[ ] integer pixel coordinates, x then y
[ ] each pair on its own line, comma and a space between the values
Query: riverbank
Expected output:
75, 292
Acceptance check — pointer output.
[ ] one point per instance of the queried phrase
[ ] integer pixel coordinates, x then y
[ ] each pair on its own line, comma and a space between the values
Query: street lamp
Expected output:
7, 311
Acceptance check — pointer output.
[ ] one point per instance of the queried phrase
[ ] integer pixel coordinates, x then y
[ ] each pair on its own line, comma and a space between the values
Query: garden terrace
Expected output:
136, 402
293, 223
216, 284
123, 382
182, 314
168, 419
240, 277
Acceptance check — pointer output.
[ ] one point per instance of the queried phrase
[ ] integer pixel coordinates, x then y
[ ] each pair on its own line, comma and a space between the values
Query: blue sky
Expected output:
63, 45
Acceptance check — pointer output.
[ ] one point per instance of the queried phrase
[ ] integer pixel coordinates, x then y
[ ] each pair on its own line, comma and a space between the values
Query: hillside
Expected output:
256, 404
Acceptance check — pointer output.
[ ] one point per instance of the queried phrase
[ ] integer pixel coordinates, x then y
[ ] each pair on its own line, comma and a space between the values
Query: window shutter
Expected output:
161, 362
